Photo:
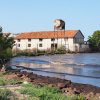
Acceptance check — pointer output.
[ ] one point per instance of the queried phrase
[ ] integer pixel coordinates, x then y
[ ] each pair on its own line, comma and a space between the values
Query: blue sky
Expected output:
37, 15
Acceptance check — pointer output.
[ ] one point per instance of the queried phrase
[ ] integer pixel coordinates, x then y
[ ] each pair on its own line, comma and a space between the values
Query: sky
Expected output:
18, 16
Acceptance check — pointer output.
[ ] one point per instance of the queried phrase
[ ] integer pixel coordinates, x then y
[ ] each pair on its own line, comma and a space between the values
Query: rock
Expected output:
19, 75
69, 91
50, 85
29, 74
31, 78
63, 90
77, 92
68, 83
98, 94
25, 73
89, 95
61, 85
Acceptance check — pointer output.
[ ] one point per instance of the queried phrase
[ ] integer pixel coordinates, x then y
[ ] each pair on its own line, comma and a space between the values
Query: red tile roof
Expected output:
47, 34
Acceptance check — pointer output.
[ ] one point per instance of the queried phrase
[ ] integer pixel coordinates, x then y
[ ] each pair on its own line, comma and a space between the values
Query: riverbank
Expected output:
66, 86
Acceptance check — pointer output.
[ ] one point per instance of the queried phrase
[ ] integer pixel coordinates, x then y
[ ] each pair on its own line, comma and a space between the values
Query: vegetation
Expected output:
32, 92
60, 50
46, 93
5, 81
94, 41
6, 44
4, 94
9, 82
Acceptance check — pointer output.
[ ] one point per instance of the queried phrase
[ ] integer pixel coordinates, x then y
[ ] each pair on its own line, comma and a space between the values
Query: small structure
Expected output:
47, 39
59, 24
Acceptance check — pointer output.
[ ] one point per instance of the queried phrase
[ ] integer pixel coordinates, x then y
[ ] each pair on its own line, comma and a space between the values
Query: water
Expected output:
79, 68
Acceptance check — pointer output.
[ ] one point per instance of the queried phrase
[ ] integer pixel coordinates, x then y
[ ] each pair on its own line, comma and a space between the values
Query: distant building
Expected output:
72, 40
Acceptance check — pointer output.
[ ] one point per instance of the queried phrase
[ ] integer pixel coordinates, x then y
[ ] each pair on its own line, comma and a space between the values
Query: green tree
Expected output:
6, 44
94, 41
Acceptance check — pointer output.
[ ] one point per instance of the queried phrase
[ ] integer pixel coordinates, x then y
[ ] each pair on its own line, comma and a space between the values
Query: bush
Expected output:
41, 52
30, 53
25, 53
61, 50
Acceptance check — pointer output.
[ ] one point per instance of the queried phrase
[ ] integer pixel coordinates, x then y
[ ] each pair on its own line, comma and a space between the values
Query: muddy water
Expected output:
79, 68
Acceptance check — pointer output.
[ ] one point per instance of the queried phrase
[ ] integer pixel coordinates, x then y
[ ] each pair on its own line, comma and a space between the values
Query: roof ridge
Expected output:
48, 34
48, 31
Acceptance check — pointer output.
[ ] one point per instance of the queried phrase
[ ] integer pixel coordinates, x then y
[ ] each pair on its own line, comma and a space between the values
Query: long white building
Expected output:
73, 40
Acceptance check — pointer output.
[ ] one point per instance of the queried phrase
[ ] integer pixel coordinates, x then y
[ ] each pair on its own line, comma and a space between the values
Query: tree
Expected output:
94, 41
6, 44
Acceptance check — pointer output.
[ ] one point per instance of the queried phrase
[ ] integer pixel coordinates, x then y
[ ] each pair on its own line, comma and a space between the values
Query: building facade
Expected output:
72, 40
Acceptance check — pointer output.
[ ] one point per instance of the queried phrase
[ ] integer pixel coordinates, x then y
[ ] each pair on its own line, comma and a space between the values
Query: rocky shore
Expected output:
67, 87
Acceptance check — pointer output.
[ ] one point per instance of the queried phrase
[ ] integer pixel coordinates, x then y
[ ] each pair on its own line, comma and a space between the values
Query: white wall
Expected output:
46, 43
69, 43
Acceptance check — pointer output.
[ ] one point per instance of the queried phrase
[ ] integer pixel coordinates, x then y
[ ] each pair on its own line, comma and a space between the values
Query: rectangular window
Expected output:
29, 45
53, 39
18, 45
18, 40
29, 40
54, 46
40, 39
40, 45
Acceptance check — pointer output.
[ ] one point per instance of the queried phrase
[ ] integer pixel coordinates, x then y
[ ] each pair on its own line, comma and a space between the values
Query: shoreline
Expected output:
68, 87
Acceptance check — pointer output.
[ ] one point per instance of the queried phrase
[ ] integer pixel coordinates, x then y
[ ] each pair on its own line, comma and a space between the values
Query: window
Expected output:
29, 45
18, 40
18, 45
29, 40
52, 39
40, 39
40, 45
54, 46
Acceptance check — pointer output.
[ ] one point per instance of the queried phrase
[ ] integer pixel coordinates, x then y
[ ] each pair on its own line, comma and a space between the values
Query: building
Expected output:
72, 40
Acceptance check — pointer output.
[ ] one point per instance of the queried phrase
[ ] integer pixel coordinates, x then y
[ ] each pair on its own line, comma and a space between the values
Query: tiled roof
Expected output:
47, 34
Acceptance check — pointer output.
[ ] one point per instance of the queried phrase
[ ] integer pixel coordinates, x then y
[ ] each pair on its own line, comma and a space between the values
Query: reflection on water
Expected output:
78, 64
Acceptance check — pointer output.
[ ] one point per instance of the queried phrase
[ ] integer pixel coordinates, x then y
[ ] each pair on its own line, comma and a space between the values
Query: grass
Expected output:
46, 93
4, 81
4, 73
9, 82
5, 94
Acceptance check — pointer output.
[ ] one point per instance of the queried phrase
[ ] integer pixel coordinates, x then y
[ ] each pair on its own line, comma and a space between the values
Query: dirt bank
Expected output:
68, 87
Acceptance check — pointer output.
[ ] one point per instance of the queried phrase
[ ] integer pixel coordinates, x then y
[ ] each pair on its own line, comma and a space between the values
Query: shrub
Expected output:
61, 50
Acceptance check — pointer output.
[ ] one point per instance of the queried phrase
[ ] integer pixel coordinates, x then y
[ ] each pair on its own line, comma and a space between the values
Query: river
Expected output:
79, 68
